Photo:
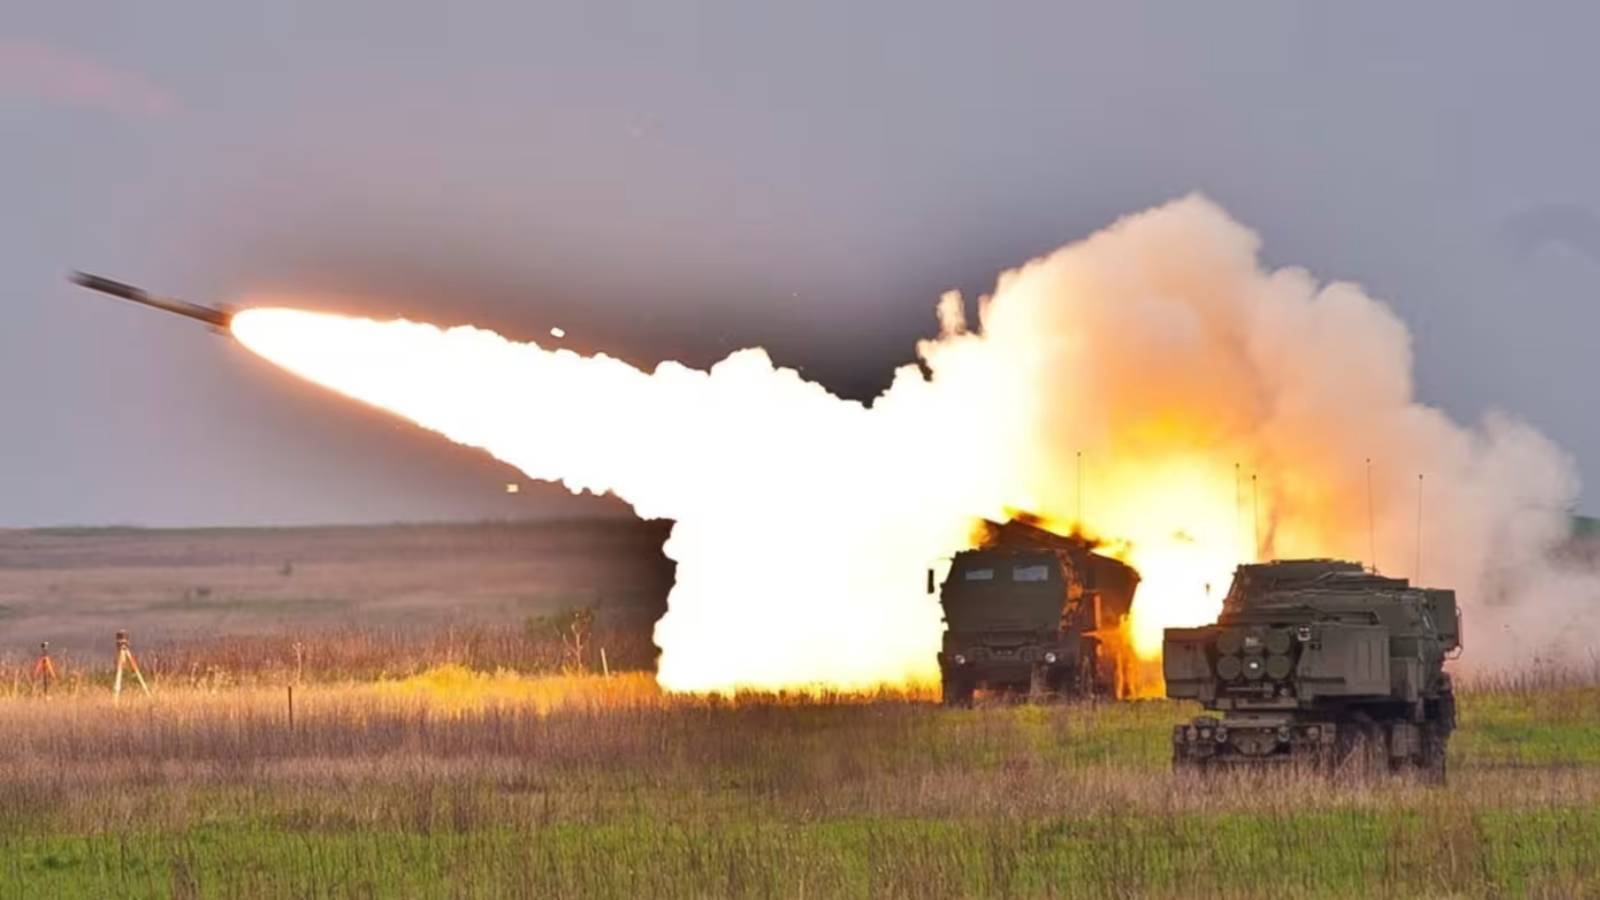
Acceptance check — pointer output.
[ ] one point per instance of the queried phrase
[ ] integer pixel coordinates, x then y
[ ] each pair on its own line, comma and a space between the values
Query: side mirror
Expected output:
930, 579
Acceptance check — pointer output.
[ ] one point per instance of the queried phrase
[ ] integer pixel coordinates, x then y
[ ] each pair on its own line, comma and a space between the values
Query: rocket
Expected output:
217, 317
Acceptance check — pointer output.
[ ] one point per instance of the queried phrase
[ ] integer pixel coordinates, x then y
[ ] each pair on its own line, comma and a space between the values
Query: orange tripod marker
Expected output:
126, 661
44, 671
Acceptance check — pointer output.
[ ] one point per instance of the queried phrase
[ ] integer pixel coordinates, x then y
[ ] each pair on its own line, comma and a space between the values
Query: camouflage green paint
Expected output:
1318, 661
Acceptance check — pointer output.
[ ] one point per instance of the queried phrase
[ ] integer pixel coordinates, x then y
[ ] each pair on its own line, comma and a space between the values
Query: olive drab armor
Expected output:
1034, 612
1318, 661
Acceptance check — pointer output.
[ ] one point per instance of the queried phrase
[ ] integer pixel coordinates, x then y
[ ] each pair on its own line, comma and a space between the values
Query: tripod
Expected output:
44, 671
125, 660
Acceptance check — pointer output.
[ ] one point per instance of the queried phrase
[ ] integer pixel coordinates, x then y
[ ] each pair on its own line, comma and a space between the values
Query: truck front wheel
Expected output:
1039, 686
957, 689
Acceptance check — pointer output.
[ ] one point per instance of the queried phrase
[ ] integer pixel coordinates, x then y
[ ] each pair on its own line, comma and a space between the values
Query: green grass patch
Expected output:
1555, 727
1318, 853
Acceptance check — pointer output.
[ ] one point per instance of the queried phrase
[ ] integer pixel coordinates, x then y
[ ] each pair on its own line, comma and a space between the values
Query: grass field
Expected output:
461, 783
451, 740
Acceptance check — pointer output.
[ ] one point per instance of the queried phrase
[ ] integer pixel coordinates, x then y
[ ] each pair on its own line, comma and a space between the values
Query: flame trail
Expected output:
789, 570
1158, 348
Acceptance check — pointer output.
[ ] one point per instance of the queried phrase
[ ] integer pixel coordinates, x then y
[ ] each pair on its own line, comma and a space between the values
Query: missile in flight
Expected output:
217, 317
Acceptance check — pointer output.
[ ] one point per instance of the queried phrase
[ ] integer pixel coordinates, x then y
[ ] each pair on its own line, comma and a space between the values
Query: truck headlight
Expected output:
1050, 657
960, 659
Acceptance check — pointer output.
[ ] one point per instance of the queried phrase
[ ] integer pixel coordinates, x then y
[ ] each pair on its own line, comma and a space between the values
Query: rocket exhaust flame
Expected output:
1159, 349
788, 574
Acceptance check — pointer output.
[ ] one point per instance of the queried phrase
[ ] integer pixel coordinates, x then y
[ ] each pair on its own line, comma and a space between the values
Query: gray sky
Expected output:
679, 180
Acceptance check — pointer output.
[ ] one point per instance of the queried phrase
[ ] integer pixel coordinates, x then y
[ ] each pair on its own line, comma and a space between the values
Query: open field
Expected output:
77, 587
451, 740
456, 783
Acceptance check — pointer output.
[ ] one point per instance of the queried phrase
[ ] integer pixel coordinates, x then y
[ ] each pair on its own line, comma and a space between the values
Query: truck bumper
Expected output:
1009, 667
1269, 740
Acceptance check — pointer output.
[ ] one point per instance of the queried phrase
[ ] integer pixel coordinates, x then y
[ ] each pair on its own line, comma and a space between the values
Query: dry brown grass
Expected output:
487, 758
619, 642
456, 782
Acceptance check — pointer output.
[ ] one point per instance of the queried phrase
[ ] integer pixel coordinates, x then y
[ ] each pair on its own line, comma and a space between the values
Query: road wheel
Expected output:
957, 690
1431, 765
1038, 683
1362, 750
1190, 764
1089, 685
1060, 684
1446, 721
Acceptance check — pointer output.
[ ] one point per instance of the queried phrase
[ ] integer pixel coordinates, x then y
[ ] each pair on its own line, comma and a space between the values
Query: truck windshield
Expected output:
1015, 573
1039, 572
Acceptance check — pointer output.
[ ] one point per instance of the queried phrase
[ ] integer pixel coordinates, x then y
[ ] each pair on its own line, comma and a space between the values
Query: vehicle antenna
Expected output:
1372, 535
1238, 510
1255, 513
1418, 569
1081, 529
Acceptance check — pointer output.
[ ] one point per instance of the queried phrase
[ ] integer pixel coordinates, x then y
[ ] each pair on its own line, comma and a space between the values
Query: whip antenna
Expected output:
1372, 535
1238, 510
1081, 528
1418, 569
1255, 514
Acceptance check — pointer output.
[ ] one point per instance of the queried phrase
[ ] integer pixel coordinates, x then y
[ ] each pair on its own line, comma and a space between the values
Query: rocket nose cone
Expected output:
105, 285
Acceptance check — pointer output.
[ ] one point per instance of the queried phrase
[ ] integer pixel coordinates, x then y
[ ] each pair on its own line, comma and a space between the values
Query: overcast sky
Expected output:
678, 180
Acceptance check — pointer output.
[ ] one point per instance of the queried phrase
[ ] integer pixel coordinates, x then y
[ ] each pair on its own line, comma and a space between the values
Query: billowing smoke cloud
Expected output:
1196, 408
803, 522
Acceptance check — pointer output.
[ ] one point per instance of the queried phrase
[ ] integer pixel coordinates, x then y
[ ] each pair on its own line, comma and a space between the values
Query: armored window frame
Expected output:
1035, 573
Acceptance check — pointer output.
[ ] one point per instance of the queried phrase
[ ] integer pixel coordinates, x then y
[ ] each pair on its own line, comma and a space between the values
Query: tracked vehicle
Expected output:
1318, 662
1032, 612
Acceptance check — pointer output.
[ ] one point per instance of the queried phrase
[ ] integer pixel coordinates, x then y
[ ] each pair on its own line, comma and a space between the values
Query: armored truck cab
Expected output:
1032, 611
1318, 661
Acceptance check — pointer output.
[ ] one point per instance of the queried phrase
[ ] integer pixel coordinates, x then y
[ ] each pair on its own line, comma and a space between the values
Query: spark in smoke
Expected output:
1159, 349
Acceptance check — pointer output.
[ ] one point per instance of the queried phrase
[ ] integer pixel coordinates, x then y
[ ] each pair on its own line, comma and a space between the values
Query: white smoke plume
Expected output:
1198, 409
